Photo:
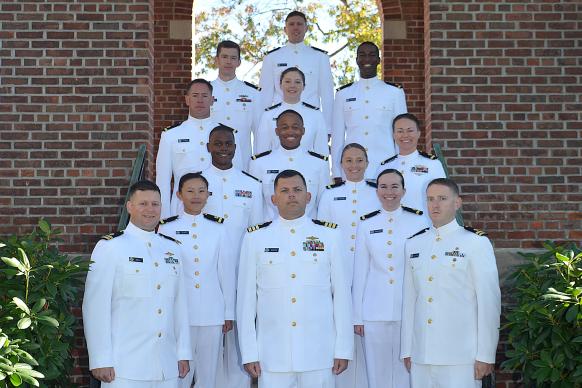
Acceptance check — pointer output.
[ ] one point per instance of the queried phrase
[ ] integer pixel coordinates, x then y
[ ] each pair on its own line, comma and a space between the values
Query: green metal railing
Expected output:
136, 175
439, 153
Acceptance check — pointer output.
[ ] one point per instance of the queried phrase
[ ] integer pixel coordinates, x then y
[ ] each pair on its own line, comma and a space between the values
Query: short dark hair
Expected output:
143, 185
227, 44
287, 112
408, 116
296, 13
199, 81
390, 171
448, 182
289, 70
368, 43
191, 175
354, 145
221, 128
288, 174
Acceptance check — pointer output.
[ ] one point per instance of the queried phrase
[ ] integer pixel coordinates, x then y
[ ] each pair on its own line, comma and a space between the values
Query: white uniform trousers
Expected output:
322, 378
125, 383
231, 373
382, 350
356, 375
443, 376
205, 353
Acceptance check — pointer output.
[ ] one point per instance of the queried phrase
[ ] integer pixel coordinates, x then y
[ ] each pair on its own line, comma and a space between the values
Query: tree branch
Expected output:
339, 50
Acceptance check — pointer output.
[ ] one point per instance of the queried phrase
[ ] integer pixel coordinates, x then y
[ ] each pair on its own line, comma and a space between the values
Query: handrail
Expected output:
136, 174
439, 153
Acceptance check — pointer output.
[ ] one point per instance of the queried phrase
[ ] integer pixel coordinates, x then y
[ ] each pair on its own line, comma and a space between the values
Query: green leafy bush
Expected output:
38, 287
545, 324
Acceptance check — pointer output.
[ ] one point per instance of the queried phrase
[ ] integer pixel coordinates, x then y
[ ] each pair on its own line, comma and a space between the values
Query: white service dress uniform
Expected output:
182, 150
313, 62
237, 197
315, 137
210, 287
377, 291
135, 313
343, 203
292, 281
418, 170
311, 165
362, 113
237, 104
452, 305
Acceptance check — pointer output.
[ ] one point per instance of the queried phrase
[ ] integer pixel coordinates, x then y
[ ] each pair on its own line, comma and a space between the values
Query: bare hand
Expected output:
483, 369
106, 375
339, 365
183, 368
253, 369
408, 363
228, 325
359, 330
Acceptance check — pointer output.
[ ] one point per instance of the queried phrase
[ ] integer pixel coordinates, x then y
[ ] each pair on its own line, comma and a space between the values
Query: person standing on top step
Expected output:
182, 146
312, 61
363, 112
236, 103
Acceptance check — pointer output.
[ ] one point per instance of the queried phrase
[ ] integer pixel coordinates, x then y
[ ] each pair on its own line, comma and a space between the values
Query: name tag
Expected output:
351, 99
281, 64
272, 171
182, 232
376, 231
183, 140
136, 259
419, 170
271, 249
243, 193
171, 260
339, 198
414, 255
455, 253
244, 99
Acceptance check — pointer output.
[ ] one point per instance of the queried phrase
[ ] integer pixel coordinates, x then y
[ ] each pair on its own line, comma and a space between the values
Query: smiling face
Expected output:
442, 204
295, 29
227, 62
406, 135
354, 164
199, 100
291, 197
144, 208
290, 130
292, 87
390, 191
221, 147
194, 194
368, 59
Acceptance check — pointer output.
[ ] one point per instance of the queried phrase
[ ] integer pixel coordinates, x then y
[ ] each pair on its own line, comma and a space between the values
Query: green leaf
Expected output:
24, 258
50, 320
16, 380
38, 305
13, 262
44, 226
30, 380
24, 323
572, 313
21, 305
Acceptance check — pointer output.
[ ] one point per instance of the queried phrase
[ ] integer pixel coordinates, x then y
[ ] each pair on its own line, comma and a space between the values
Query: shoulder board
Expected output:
177, 123
228, 126
476, 231
399, 86
273, 107
325, 223
318, 49
169, 219
344, 86
273, 50
418, 233
214, 218
249, 175
310, 106
254, 157
111, 236
170, 238
427, 155
411, 210
369, 215
252, 85
320, 156
389, 160
259, 226
370, 182
333, 186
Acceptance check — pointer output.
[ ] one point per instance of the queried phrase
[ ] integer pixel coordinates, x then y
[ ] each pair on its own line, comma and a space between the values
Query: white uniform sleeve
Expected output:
265, 134
400, 103
408, 307
321, 130
266, 82
324, 207
97, 306
324, 180
181, 320
164, 173
483, 269
326, 89
342, 306
257, 205
226, 271
338, 131
361, 268
246, 306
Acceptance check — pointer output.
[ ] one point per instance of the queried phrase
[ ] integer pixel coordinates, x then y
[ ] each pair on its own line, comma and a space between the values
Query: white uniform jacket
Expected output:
237, 197
313, 167
311, 61
237, 104
134, 309
208, 261
343, 204
363, 113
379, 264
418, 169
315, 137
292, 280
182, 150
451, 297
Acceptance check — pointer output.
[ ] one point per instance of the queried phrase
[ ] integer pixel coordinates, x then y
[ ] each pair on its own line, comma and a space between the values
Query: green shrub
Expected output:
38, 287
545, 332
